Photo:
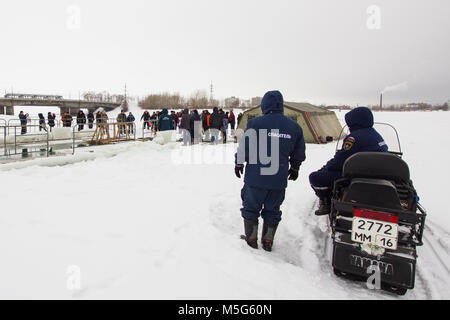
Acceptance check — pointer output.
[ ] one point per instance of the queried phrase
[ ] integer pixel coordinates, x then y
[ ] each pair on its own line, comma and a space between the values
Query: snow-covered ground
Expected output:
149, 221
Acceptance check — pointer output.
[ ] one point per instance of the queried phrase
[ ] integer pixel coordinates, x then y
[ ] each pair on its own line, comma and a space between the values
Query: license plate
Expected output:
381, 233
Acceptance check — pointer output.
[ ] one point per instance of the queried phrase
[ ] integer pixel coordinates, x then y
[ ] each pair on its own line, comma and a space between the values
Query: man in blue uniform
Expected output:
165, 122
363, 137
271, 143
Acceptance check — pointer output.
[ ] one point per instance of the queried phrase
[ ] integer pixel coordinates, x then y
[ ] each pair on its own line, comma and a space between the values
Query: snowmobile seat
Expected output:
373, 192
376, 165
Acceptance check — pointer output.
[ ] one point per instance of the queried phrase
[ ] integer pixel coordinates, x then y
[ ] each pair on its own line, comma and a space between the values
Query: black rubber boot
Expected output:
324, 207
268, 234
251, 233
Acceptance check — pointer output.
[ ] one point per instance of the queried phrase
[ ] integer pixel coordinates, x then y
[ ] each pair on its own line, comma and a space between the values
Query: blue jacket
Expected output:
131, 118
23, 119
362, 137
225, 123
291, 145
165, 121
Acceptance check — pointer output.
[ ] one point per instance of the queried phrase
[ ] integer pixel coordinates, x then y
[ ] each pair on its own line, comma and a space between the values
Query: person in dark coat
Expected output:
224, 126
146, 117
81, 120
130, 120
195, 127
42, 125
174, 117
67, 119
239, 118
51, 120
165, 122
232, 122
205, 115
362, 137
98, 117
122, 118
90, 118
23, 122
185, 126
215, 124
266, 177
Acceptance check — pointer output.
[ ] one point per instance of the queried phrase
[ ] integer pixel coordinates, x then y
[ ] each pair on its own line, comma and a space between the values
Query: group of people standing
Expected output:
218, 122
213, 125
25, 120
159, 120
127, 121
192, 124
66, 120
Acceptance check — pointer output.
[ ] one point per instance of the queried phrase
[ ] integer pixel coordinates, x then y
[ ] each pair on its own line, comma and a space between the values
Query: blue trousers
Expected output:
262, 202
322, 182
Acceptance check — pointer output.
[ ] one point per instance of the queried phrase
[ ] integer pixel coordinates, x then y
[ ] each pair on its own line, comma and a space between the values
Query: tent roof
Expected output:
307, 107
300, 106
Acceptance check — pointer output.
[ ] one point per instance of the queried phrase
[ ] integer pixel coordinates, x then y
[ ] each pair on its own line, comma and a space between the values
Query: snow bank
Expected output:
165, 137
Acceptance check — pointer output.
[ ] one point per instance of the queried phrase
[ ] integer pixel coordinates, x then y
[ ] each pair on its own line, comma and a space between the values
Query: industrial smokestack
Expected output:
381, 101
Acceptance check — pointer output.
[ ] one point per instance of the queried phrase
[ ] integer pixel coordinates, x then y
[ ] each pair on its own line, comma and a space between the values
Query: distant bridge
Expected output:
66, 105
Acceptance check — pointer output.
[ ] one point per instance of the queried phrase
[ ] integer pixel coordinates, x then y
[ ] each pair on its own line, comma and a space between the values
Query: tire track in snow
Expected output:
308, 247
434, 272
436, 244
423, 286
437, 251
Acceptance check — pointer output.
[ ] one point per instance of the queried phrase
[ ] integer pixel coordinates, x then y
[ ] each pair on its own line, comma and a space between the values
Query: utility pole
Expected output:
125, 102
211, 96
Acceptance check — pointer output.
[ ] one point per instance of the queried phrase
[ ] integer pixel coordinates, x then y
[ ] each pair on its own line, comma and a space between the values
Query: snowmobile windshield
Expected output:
387, 131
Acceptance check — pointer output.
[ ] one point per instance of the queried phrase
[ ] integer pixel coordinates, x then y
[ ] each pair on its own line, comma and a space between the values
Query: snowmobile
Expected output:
376, 219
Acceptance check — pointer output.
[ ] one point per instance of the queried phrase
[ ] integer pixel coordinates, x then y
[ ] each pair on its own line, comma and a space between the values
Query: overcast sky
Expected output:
321, 51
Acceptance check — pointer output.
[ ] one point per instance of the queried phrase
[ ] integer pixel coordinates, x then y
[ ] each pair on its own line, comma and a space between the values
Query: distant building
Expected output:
232, 102
256, 101
246, 104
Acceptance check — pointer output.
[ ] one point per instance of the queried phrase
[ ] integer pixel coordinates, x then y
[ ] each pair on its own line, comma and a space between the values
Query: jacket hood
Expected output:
359, 118
164, 111
272, 102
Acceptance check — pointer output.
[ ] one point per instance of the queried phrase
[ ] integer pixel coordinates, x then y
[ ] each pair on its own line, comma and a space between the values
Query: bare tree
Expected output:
162, 100
199, 100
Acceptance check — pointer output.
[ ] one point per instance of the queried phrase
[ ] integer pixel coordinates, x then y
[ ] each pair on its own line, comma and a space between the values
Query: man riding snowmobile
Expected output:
363, 137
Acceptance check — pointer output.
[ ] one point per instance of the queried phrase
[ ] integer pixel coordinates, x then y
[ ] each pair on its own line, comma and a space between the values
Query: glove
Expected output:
238, 170
293, 174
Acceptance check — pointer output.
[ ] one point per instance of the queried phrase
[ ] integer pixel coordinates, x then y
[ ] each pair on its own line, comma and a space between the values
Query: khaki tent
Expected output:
317, 123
